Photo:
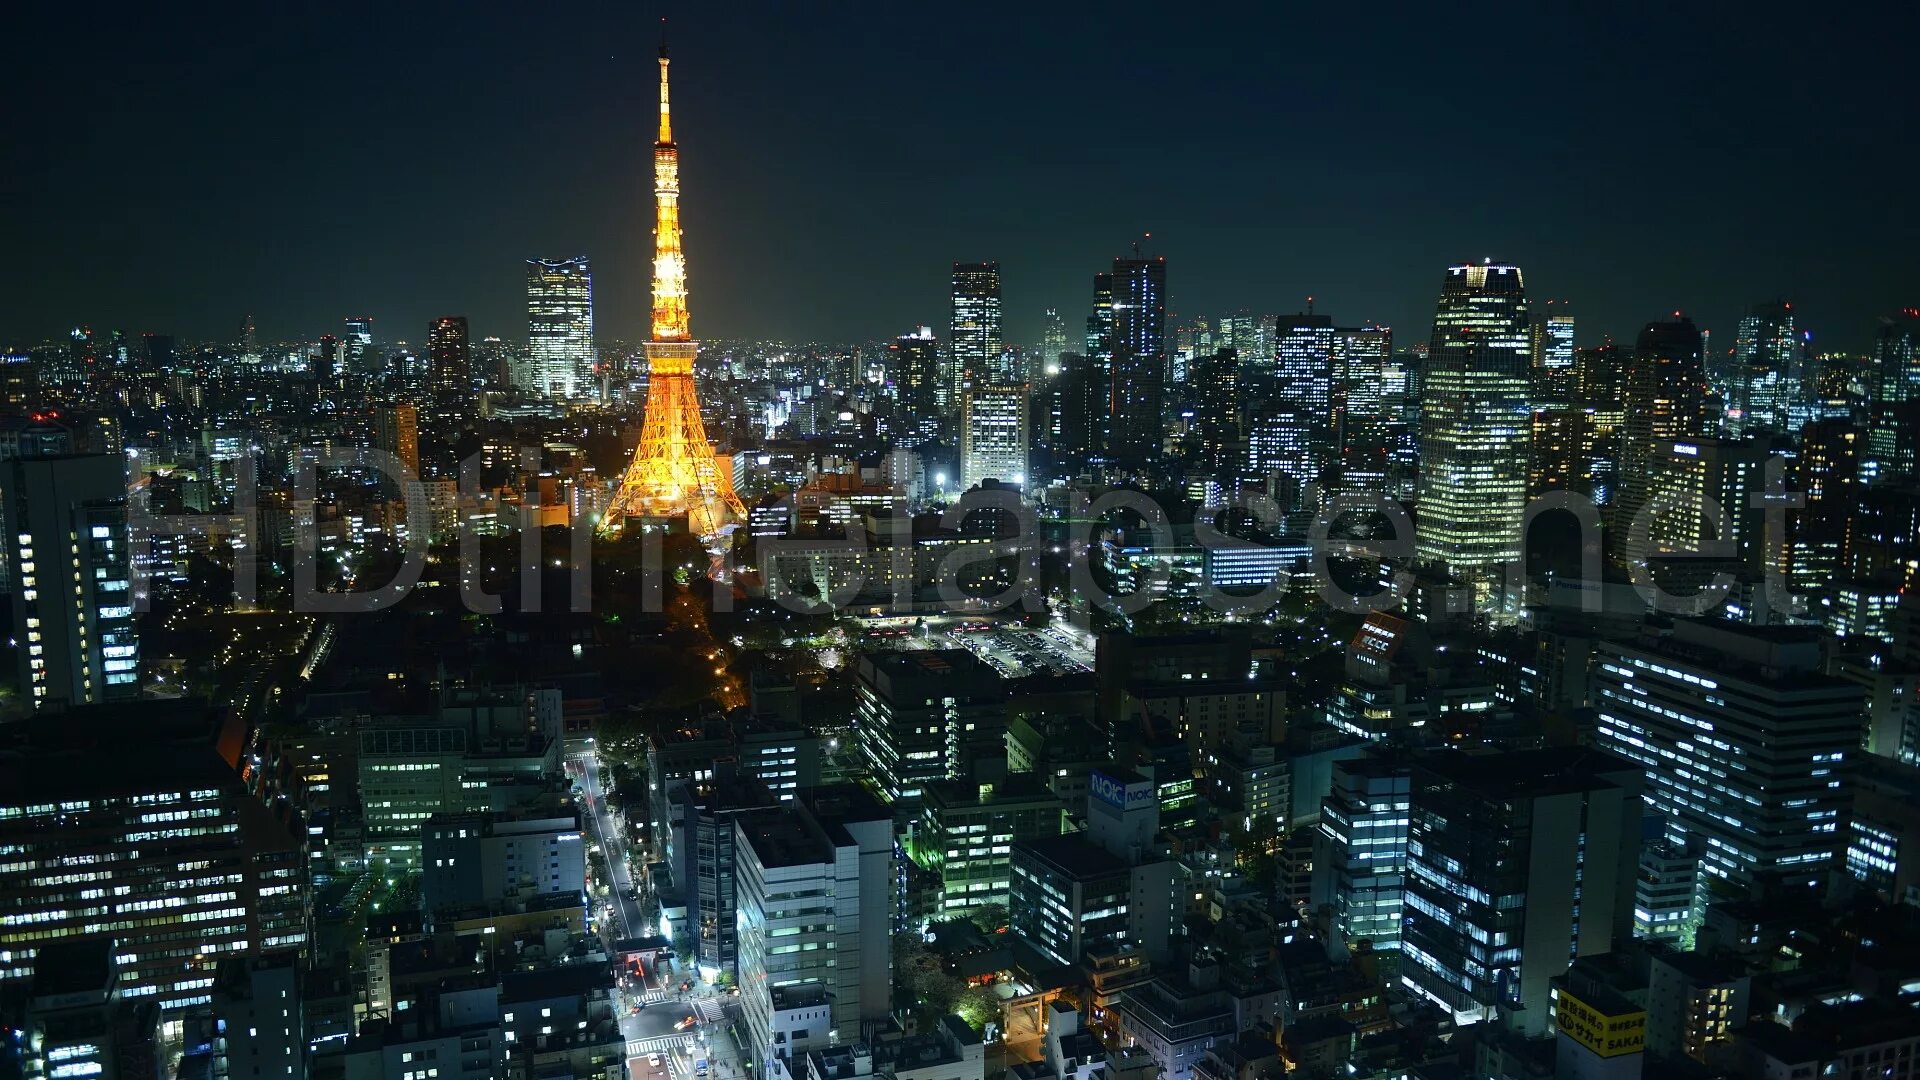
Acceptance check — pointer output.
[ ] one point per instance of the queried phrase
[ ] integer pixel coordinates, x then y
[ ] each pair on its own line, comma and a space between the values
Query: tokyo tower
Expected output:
674, 472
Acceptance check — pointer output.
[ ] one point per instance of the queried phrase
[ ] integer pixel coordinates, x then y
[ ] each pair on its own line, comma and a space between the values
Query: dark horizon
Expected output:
301, 167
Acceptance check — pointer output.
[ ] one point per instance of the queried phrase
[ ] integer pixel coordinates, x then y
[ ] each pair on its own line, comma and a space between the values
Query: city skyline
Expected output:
1394, 190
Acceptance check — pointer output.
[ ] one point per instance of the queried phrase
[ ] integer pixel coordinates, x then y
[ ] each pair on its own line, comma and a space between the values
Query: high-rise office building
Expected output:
1139, 365
913, 364
1302, 410
816, 884
1217, 409
1053, 343
706, 861
1894, 435
1745, 744
966, 832
1827, 470
396, 430
158, 350
1475, 423
1553, 458
1553, 360
974, 345
1068, 896
1697, 475
1361, 357
560, 325
68, 557
499, 861
1240, 331
1099, 366
1600, 395
1666, 402
1104, 887
326, 362
1071, 421
993, 435
1360, 849
917, 710
1766, 368
450, 356
1517, 863
260, 1017
359, 344
131, 823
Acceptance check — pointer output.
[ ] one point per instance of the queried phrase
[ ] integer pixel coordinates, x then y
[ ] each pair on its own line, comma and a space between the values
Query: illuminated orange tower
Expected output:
674, 472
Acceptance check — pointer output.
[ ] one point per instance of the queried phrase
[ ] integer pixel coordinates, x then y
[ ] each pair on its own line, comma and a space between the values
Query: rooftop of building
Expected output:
940, 664
1706, 969
799, 996
1013, 789
1528, 773
66, 968
1312, 1029
836, 806
1600, 994
1073, 855
1825, 1032
946, 1043
131, 748
541, 816
1785, 657
570, 980
839, 1062
784, 836
420, 1024
1620, 972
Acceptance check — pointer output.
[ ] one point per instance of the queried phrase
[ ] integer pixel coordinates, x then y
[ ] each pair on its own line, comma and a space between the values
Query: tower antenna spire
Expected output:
666, 122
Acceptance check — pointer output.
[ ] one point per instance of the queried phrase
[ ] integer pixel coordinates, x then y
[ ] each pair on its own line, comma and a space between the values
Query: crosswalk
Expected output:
648, 997
659, 1044
710, 1010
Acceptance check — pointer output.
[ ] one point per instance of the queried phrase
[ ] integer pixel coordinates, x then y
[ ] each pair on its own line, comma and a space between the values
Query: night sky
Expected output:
172, 168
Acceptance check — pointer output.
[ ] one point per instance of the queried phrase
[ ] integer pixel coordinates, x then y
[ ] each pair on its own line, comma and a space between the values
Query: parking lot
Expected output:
1010, 648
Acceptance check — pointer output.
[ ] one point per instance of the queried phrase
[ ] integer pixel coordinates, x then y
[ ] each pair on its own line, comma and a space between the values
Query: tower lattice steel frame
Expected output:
674, 472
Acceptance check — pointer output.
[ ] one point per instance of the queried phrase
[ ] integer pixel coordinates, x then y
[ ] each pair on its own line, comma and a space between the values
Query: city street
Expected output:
612, 839
675, 1027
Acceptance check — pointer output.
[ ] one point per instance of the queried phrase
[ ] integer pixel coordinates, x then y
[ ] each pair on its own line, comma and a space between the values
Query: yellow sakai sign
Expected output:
1608, 1036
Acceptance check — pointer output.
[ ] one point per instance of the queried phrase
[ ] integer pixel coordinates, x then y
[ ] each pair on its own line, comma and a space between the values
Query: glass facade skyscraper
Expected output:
1301, 418
144, 835
1053, 344
68, 556
1475, 423
1766, 369
974, 343
1517, 863
1139, 365
913, 363
994, 435
450, 355
1360, 849
560, 326
1553, 363
1666, 400
1746, 746
359, 343
1895, 389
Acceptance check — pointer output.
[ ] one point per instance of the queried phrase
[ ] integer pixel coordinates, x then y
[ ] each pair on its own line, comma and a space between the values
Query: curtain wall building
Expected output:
560, 326
1475, 424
